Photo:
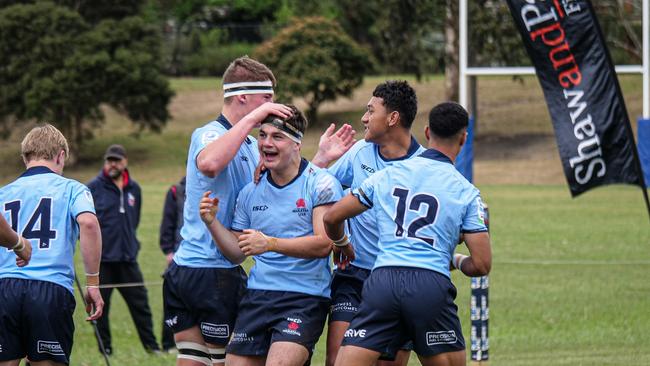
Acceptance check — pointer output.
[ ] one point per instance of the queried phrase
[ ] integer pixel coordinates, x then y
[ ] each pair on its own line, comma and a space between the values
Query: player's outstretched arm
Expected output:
226, 240
218, 154
90, 241
479, 262
333, 145
10, 239
253, 242
334, 222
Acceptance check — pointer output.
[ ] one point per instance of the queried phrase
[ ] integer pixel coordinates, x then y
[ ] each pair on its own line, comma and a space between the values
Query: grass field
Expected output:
569, 284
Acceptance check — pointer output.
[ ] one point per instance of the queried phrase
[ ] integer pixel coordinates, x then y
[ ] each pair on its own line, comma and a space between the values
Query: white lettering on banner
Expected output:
589, 150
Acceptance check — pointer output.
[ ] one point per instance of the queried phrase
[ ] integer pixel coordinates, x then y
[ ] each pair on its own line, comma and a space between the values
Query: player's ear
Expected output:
427, 133
393, 118
60, 158
463, 137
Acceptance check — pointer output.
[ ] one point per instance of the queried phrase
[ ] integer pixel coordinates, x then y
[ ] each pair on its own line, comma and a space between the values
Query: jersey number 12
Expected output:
414, 204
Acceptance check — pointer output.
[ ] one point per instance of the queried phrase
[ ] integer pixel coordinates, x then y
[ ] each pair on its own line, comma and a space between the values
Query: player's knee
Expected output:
195, 352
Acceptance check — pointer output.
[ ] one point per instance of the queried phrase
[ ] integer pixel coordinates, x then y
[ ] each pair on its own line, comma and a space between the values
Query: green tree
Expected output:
58, 68
314, 58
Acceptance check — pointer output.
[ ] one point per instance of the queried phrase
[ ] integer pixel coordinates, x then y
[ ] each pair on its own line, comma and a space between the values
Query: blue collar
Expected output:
39, 169
222, 120
301, 169
434, 154
412, 149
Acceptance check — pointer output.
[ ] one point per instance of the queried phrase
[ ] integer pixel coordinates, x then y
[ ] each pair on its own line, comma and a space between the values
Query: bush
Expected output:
213, 60
313, 58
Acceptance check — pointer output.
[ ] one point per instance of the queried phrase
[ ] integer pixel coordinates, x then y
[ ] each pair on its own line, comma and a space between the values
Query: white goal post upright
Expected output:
479, 344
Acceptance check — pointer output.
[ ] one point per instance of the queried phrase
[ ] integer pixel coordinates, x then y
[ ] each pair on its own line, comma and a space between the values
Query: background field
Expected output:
569, 284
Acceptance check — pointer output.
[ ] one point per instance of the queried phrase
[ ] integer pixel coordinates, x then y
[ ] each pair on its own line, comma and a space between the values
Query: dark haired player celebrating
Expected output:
387, 140
280, 222
421, 207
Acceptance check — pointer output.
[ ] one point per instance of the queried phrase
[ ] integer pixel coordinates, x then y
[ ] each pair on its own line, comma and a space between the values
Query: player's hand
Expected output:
208, 208
24, 255
94, 303
257, 115
333, 145
253, 242
258, 172
343, 255
169, 257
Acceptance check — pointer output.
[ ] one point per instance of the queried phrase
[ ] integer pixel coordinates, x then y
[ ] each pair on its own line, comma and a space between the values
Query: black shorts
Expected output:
35, 320
203, 297
401, 304
277, 316
347, 286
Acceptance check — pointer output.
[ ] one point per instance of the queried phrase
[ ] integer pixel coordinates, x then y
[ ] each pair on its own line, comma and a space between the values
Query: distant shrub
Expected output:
213, 60
315, 59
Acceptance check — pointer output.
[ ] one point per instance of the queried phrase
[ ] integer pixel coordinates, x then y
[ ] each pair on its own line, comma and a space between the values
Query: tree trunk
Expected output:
312, 111
451, 50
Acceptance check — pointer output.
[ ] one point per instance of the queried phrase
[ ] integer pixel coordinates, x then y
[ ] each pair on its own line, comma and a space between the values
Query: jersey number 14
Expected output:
414, 204
41, 216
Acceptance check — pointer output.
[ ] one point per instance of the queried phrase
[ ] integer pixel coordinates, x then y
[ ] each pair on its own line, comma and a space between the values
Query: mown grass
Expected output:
569, 284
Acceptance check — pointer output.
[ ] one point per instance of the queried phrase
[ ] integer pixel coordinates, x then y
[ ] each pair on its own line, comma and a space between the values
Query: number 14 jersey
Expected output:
43, 207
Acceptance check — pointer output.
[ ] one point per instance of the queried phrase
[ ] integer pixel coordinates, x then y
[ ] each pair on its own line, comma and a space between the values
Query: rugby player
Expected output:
387, 139
280, 223
421, 207
222, 158
52, 212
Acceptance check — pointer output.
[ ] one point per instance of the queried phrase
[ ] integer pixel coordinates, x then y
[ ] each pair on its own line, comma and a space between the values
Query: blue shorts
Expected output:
403, 304
35, 320
277, 316
203, 297
347, 286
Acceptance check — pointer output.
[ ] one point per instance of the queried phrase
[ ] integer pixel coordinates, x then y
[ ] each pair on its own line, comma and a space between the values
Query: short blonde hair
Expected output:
43, 143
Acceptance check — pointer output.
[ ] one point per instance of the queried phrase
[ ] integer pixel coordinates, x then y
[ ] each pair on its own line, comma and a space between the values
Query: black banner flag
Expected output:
592, 128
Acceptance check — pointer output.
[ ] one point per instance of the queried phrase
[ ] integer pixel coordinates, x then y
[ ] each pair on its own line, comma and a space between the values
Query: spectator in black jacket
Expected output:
170, 238
118, 201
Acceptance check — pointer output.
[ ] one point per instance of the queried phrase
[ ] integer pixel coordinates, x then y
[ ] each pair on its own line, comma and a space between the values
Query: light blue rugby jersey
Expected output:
362, 161
422, 205
286, 212
43, 206
197, 249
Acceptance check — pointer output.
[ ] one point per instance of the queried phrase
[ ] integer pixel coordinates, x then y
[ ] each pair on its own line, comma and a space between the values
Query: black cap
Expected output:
115, 152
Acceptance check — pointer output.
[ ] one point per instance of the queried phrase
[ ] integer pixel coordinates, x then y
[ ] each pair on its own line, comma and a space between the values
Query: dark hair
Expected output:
398, 96
447, 119
297, 119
